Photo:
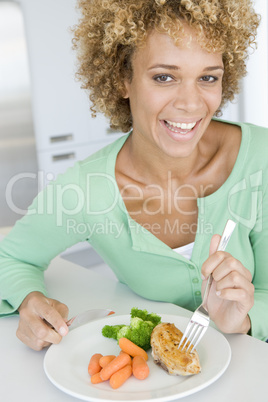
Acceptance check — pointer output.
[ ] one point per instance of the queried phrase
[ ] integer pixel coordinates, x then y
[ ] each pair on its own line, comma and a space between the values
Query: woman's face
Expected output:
174, 93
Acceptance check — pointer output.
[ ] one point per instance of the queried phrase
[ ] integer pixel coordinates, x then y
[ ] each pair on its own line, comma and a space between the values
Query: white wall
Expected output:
252, 105
255, 90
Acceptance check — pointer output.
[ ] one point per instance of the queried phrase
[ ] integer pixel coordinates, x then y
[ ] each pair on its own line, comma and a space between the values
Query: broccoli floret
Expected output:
110, 331
124, 332
139, 324
143, 314
139, 331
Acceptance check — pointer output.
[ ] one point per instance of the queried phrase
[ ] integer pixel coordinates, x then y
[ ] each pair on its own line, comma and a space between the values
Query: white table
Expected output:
21, 369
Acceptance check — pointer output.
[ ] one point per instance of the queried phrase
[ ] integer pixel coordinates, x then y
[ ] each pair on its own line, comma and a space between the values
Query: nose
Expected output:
188, 98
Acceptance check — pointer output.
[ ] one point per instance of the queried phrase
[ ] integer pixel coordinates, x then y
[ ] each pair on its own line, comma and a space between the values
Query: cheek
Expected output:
214, 100
156, 101
148, 104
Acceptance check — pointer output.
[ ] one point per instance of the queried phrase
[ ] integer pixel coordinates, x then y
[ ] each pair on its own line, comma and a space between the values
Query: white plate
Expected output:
66, 365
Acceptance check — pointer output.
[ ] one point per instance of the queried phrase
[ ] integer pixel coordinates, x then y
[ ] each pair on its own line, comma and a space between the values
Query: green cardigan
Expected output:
85, 204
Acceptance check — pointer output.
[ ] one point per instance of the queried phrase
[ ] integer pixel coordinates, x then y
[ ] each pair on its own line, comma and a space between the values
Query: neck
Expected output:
153, 166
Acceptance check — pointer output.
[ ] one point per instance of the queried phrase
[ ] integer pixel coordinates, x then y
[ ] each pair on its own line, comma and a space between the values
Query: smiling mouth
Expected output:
181, 128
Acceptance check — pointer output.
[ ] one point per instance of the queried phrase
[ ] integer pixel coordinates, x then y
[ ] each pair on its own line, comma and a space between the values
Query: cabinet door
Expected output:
61, 109
77, 132
53, 162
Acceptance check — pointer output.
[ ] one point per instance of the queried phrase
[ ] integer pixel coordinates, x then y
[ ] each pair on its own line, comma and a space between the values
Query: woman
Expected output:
150, 202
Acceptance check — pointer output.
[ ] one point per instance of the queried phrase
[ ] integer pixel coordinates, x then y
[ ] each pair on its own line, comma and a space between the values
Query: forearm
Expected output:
17, 281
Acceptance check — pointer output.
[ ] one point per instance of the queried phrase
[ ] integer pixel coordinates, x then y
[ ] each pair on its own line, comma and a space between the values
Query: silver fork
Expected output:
199, 321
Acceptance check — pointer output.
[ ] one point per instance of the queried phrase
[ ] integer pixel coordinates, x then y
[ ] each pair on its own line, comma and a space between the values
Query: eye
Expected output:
163, 78
209, 78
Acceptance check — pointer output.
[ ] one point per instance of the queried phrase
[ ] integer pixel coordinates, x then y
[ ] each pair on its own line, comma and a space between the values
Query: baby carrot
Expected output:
96, 378
120, 376
104, 360
130, 348
140, 368
116, 364
94, 366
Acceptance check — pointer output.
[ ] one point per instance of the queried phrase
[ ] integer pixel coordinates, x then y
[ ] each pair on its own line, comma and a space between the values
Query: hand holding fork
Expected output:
199, 321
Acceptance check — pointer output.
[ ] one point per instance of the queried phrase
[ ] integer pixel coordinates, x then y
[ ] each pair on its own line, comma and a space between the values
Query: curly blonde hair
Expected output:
109, 31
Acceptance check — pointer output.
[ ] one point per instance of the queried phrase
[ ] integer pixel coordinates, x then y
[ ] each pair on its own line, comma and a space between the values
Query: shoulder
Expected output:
258, 133
98, 160
256, 137
257, 140
233, 126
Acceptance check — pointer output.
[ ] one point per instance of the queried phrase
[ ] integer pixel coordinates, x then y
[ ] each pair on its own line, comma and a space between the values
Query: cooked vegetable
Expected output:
96, 378
117, 369
143, 314
104, 360
118, 378
94, 366
131, 348
139, 331
110, 331
140, 368
116, 364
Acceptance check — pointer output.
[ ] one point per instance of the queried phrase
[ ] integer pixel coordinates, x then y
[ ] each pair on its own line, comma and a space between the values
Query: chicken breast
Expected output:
165, 339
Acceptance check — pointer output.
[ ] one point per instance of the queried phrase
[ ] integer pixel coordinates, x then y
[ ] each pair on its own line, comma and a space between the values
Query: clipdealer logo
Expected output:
69, 200
254, 213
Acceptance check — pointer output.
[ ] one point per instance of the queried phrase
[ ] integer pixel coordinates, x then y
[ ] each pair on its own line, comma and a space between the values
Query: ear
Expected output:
125, 92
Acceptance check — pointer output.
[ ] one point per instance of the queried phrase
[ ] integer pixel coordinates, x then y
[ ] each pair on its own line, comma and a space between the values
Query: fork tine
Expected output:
200, 337
192, 336
195, 336
187, 330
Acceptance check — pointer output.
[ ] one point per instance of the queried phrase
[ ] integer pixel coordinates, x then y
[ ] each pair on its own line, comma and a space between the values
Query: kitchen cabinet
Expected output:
63, 126
58, 160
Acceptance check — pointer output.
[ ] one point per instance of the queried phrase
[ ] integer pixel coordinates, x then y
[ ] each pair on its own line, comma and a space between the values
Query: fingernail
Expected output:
202, 277
218, 293
63, 331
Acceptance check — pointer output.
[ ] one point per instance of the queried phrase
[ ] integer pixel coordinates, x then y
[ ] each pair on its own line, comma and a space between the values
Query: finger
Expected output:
230, 265
210, 264
221, 264
213, 261
214, 243
44, 332
63, 310
238, 295
236, 281
54, 318
31, 341
26, 335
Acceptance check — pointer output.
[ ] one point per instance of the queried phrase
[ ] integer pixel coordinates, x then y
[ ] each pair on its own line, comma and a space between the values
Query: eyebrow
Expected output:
173, 67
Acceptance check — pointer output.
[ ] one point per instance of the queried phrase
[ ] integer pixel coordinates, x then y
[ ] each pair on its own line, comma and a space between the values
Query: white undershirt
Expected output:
185, 251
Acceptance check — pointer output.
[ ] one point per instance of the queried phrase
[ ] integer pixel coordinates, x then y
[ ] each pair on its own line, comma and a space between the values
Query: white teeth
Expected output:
183, 126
